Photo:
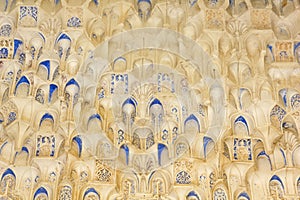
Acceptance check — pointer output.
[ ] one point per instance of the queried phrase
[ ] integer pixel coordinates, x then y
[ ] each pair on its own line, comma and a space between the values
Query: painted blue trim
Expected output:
42, 36
283, 154
23, 79
6, 5
206, 141
160, 148
242, 120
193, 3
271, 50
90, 190
46, 64
155, 101
270, 47
95, 116
276, 178
263, 153
120, 58
148, 1
244, 194
72, 82
25, 149
17, 44
46, 116
126, 149
295, 47
131, 101
63, 36
52, 89
283, 93
193, 194
96, 2
67, 186
8, 172
193, 117
78, 140
41, 190
2, 146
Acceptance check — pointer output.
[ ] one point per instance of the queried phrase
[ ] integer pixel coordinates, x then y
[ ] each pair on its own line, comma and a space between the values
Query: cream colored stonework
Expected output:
150, 99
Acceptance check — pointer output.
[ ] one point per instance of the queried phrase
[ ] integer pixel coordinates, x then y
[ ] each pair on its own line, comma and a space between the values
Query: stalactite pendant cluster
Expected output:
150, 99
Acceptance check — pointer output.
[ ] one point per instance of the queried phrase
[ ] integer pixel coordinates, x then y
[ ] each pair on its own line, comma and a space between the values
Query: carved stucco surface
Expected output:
146, 99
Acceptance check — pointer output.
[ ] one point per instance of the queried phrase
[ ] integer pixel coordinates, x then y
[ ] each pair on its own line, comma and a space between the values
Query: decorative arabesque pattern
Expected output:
147, 99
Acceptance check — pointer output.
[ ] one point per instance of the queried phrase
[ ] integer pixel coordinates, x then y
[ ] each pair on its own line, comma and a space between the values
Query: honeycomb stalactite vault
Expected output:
150, 99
